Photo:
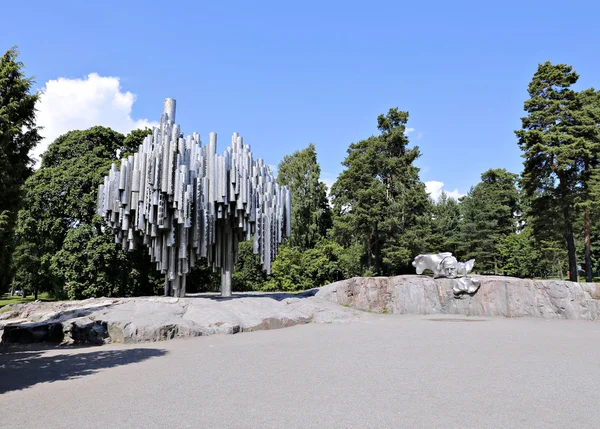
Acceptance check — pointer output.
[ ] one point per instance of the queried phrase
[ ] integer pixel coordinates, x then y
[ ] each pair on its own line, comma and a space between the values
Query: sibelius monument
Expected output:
187, 203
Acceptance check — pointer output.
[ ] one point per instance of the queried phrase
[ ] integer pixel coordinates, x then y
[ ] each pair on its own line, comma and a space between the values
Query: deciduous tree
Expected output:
311, 215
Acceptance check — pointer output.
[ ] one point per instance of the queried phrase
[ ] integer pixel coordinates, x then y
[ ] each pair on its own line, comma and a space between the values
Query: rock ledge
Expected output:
132, 320
497, 296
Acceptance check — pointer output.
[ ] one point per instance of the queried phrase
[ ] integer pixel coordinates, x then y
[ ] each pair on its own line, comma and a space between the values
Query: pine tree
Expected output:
585, 128
379, 200
489, 214
445, 225
551, 172
560, 143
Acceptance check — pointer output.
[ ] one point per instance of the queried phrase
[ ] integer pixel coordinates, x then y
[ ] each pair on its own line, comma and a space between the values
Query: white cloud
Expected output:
329, 179
435, 188
409, 130
78, 104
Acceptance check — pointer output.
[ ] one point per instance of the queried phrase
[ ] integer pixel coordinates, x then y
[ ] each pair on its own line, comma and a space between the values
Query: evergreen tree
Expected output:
585, 128
379, 200
445, 225
18, 135
556, 145
489, 214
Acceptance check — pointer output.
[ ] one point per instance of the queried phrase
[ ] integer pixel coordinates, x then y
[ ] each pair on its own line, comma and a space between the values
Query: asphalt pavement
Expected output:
391, 372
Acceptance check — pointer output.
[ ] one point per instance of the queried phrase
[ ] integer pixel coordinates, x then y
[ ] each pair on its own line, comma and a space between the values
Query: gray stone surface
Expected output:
133, 320
497, 296
397, 371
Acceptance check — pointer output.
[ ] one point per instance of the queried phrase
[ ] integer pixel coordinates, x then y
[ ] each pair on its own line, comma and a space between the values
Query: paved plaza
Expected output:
390, 371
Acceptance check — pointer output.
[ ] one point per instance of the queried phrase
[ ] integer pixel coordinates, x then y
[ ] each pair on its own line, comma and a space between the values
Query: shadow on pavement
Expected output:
24, 367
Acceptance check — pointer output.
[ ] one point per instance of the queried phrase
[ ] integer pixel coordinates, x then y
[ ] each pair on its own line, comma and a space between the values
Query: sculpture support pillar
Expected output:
167, 286
182, 286
227, 268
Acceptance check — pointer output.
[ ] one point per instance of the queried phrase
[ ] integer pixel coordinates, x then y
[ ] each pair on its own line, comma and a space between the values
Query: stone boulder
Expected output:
496, 296
133, 320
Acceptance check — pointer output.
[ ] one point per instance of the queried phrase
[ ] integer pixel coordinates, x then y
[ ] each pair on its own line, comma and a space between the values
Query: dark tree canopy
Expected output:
379, 199
559, 140
18, 135
489, 213
445, 225
62, 244
311, 215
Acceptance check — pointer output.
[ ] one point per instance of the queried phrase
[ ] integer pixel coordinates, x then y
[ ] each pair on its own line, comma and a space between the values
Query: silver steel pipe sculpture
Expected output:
187, 202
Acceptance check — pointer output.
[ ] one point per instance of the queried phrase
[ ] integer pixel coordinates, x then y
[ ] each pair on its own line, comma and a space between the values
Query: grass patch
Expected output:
9, 300
581, 279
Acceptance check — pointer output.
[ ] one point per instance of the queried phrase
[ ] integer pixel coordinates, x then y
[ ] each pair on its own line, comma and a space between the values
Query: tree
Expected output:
379, 200
558, 139
295, 269
519, 256
585, 128
133, 140
311, 215
18, 135
445, 225
61, 241
311, 219
248, 274
489, 213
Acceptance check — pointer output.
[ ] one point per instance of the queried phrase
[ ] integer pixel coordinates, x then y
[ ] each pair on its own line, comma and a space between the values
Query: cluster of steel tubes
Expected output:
188, 203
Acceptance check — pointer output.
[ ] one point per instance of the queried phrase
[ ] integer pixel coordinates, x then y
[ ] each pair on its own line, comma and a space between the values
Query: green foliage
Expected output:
61, 246
307, 260
248, 274
379, 200
295, 269
559, 139
445, 225
92, 265
488, 215
4, 221
519, 256
311, 215
18, 135
133, 140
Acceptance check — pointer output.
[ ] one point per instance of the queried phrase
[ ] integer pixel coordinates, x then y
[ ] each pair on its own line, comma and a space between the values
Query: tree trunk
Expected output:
588, 246
35, 293
377, 252
568, 233
560, 271
572, 255
369, 249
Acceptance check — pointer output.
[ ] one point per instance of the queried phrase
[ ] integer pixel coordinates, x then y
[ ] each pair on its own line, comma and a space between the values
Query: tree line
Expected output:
375, 218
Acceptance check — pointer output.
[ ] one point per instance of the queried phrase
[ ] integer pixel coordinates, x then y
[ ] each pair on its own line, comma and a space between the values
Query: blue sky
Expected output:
286, 74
